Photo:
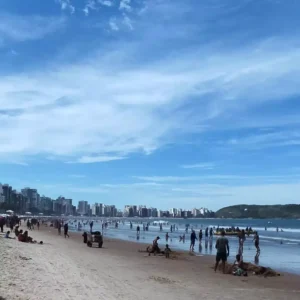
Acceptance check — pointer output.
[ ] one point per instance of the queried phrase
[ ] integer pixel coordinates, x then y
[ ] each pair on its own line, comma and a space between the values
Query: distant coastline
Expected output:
288, 211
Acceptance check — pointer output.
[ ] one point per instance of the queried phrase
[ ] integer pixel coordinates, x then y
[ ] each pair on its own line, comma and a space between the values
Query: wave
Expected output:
280, 239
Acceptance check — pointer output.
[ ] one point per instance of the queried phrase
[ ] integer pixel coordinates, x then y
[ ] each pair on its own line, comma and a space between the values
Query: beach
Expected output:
279, 250
67, 269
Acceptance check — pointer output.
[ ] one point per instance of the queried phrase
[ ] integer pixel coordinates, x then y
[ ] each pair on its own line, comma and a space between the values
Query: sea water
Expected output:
279, 250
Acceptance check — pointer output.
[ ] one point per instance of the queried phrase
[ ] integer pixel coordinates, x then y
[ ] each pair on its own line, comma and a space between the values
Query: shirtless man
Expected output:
222, 246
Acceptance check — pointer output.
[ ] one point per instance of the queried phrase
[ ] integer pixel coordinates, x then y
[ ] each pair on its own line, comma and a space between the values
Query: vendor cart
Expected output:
95, 238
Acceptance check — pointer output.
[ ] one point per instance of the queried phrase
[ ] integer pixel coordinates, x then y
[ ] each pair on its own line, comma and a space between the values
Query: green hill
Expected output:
260, 211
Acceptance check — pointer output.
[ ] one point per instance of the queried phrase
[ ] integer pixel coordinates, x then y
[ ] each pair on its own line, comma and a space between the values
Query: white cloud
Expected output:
127, 22
23, 28
218, 177
113, 24
267, 140
90, 5
125, 5
67, 5
205, 166
121, 108
96, 159
106, 2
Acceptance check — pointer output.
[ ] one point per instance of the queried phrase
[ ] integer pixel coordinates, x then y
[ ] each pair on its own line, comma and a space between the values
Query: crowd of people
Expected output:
14, 224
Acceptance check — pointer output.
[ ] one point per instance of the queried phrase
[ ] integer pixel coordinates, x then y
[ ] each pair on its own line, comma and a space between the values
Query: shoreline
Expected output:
68, 269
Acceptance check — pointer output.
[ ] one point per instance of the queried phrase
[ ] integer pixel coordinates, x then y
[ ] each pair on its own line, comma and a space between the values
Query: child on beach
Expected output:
167, 251
237, 269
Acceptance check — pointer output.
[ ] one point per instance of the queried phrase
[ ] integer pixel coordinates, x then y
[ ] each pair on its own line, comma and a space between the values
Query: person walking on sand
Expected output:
59, 228
38, 225
222, 246
66, 229
193, 240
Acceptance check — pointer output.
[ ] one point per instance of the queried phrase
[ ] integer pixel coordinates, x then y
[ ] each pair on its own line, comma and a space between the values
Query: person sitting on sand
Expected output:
7, 235
167, 251
238, 267
21, 237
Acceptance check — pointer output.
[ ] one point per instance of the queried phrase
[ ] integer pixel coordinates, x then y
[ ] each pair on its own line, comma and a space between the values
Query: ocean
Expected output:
279, 250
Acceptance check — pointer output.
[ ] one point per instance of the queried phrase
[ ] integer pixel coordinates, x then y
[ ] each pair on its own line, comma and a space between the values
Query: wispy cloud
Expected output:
125, 5
153, 98
66, 5
77, 176
204, 166
22, 28
96, 159
90, 5
108, 3
218, 177
127, 22
267, 140
146, 96
113, 24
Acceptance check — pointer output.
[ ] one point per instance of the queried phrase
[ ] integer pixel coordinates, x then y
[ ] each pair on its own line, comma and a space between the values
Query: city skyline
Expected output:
168, 103
28, 200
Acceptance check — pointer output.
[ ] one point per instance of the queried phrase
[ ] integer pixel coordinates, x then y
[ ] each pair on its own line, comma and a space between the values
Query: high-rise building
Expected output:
2, 198
7, 191
83, 208
154, 213
196, 212
32, 196
66, 205
45, 204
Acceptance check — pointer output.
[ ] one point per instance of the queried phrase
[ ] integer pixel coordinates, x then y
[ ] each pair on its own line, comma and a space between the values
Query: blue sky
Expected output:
165, 103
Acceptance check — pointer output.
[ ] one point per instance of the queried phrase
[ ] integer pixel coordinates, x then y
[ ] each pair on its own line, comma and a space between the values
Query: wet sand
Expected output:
68, 269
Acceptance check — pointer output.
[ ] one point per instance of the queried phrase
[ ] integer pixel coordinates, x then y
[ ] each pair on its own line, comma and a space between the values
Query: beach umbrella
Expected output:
28, 213
9, 211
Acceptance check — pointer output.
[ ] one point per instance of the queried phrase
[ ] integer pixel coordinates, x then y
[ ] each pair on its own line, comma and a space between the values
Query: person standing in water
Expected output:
91, 226
193, 240
200, 236
206, 233
222, 246
211, 232
167, 236
256, 243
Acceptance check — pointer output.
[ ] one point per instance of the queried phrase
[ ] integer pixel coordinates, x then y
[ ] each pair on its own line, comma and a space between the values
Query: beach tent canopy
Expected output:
28, 213
9, 211
40, 214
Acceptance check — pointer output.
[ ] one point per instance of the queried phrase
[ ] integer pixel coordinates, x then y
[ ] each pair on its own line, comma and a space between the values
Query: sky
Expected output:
164, 103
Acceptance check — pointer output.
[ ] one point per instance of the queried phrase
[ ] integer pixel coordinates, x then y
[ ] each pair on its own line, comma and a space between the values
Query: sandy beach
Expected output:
67, 269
